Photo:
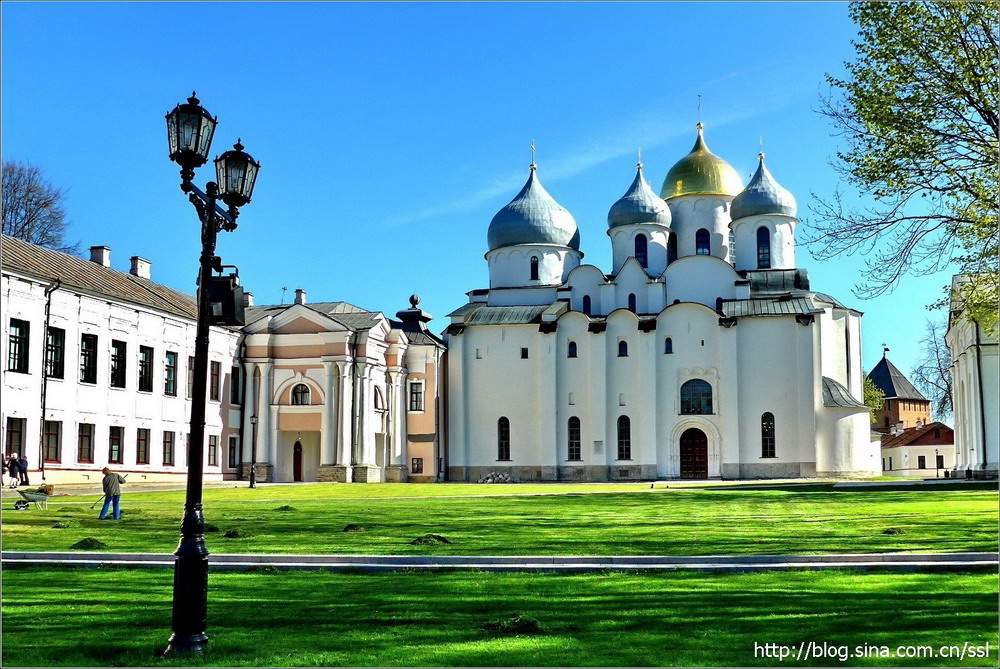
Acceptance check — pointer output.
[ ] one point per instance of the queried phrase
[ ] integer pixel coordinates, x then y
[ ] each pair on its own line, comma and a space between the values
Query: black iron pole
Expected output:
253, 453
189, 618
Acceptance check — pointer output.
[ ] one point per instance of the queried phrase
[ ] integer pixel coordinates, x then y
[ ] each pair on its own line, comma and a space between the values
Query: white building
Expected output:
702, 353
975, 371
97, 370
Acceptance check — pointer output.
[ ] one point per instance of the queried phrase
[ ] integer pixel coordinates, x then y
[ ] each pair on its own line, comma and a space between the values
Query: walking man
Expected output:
112, 493
23, 464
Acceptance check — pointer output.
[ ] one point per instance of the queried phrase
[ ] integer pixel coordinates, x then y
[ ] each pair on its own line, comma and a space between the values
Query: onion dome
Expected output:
763, 195
639, 204
533, 217
701, 172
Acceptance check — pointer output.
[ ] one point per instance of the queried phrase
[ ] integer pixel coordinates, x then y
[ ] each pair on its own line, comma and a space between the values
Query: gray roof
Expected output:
836, 395
533, 217
638, 205
763, 195
348, 315
482, 314
74, 272
892, 382
770, 306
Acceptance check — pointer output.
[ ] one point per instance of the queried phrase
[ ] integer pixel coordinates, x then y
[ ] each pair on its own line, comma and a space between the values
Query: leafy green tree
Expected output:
918, 112
874, 399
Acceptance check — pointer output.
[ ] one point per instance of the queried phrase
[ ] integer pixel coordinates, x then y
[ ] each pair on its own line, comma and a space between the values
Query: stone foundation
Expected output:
524, 474
366, 474
769, 470
396, 474
265, 472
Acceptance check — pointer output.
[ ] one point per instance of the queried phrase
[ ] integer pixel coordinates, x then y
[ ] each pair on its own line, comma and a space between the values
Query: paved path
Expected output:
719, 563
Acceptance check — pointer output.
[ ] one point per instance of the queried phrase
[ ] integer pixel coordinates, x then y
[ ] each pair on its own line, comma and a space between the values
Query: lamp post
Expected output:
937, 465
190, 129
253, 452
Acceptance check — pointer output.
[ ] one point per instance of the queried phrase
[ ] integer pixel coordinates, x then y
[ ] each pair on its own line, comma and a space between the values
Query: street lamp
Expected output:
937, 465
253, 452
190, 129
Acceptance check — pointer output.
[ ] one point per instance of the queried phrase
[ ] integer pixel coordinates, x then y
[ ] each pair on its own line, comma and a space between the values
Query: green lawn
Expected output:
116, 617
525, 519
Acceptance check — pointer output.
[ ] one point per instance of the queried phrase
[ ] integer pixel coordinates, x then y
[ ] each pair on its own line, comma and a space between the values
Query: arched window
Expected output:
668, 345
534, 268
696, 397
702, 243
624, 438
300, 394
671, 248
586, 304
631, 303
503, 438
763, 248
571, 350
641, 247
573, 439
767, 435
623, 349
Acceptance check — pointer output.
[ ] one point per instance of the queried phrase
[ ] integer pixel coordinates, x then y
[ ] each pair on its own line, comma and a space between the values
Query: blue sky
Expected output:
390, 134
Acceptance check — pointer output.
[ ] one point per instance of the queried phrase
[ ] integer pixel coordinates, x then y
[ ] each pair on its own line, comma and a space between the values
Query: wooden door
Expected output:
297, 462
694, 454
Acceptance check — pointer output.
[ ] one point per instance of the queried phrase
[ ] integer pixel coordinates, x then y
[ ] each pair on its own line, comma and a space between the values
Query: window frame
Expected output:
633, 303
533, 269
296, 397
116, 433
235, 387
687, 407
213, 450
574, 444
85, 453
88, 358
233, 452
622, 348
52, 428
169, 444
416, 465
503, 439
190, 378
214, 380
571, 349
10, 432
119, 364
170, 373
55, 353
624, 438
668, 346
703, 242
415, 400
18, 346
763, 248
142, 446
767, 435
671, 247
641, 254
921, 462
587, 305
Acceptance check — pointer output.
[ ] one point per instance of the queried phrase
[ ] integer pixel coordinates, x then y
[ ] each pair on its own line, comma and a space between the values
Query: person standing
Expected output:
22, 463
112, 493
13, 470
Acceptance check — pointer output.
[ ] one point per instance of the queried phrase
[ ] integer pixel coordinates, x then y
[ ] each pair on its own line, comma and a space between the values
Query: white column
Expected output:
366, 426
264, 415
397, 416
343, 410
328, 444
272, 447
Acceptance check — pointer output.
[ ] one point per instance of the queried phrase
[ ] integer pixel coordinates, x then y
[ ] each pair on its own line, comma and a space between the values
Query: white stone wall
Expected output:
782, 236
623, 245
967, 360
689, 213
72, 402
510, 266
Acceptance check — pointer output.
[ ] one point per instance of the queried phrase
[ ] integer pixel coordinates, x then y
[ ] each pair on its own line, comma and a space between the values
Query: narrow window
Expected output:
623, 349
632, 303
890, 464
696, 397
115, 433
233, 452
118, 364
300, 394
85, 444
847, 350
142, 446
88, 358
702, 243
55, 347
571, 350
168, 449
15, 436
586, 304
145, 369
624, 438
417, 396
503, 438
921, 462
213, 450
170, 374
416, 465
234, 385
671, 248
939, 461
573, 450
190, 377
215, 391
767, 435
17, 346
52, 430
524, 353
534, 268
668, 346
763, 248
641, 250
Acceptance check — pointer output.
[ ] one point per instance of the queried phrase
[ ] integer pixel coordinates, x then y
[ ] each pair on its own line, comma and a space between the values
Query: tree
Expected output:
933, 374
874, 399
918, 111
33, 208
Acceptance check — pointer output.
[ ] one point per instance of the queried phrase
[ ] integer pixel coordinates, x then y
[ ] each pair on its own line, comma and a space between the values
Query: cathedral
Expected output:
702, 353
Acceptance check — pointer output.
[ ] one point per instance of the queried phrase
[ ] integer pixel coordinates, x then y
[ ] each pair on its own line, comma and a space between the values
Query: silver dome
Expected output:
533, 217
763, 195
639, 204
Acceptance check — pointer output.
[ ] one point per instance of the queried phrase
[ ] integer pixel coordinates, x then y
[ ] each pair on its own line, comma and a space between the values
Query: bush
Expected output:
89, 544
430, 539
892, 531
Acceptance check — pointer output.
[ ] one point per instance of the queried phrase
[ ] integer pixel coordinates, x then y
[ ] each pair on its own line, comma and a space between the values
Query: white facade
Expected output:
975, 370
585, 380
88, 422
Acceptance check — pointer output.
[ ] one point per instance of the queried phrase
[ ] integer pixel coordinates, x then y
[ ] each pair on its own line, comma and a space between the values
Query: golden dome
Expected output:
701, 172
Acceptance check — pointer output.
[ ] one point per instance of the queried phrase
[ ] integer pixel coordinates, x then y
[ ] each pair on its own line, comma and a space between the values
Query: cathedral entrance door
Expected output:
694, 454
297, 462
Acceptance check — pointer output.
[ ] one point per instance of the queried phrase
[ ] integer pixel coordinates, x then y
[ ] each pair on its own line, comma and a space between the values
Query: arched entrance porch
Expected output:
693, 454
